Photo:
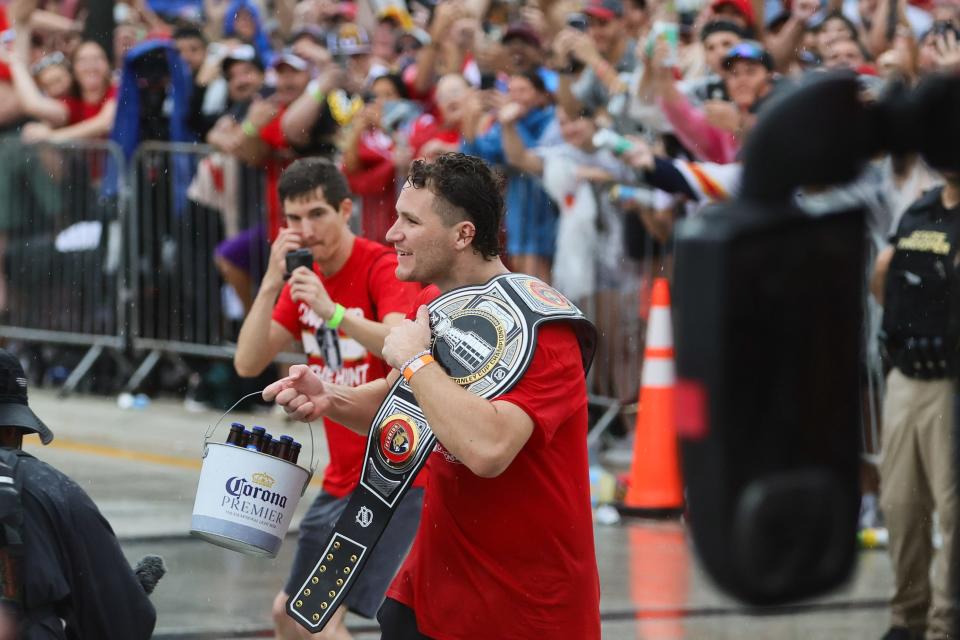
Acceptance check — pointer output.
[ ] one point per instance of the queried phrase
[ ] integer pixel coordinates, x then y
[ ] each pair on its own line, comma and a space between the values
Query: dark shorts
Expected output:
367, 593
398, 622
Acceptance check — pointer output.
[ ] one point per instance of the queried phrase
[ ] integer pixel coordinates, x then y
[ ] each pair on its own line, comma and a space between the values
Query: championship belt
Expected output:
484, 337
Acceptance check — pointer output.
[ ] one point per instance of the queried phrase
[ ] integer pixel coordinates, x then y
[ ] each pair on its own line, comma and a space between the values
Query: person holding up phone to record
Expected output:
340, 299
605, 50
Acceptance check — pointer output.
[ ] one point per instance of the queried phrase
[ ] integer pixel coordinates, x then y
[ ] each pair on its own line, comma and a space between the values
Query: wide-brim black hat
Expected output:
14, 410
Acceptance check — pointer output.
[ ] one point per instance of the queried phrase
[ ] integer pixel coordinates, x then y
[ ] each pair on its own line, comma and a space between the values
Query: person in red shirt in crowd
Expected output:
353, 291
10, 111
262, 128
739, 12
455, 35
431, 136
84, 111
505, 546
372, 159
259, 141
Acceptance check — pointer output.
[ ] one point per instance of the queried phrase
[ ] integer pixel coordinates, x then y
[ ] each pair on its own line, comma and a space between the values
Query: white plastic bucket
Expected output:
245, 498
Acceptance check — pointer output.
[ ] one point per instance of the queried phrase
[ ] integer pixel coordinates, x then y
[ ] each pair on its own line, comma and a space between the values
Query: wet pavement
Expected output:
142, 466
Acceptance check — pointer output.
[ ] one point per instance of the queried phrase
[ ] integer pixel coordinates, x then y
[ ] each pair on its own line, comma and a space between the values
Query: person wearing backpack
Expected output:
917, 279
62, 573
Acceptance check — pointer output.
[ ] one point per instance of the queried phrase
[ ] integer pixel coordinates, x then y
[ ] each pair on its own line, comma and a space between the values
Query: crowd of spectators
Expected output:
610, 119
536, 88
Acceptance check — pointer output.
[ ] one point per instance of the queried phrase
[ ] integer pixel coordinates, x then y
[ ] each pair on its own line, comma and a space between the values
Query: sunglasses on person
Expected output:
748, 51
47, 61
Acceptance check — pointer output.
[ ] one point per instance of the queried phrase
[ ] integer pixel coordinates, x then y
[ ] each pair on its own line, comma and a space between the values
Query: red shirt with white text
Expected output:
366, 285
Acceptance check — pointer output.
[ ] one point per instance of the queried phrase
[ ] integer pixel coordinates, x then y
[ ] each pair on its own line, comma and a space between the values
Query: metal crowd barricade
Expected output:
187, 200
61, 259
619, 310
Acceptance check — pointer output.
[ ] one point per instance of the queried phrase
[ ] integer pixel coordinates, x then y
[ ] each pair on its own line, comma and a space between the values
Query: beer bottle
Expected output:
283, 447
266, 443
245, 438
235, 437
294, 452
255, 443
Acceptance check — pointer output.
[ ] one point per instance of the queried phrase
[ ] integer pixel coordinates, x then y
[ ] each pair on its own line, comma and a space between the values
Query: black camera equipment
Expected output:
768, 308
577, 21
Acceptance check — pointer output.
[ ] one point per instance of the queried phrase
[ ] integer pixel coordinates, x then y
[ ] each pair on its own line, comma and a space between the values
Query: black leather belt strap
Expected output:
400, 425
484, 338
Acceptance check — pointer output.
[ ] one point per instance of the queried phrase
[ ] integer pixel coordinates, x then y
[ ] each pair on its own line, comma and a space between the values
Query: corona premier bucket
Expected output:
245, 498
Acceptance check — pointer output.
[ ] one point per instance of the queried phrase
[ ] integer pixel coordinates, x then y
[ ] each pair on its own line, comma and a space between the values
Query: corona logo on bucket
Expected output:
240, 487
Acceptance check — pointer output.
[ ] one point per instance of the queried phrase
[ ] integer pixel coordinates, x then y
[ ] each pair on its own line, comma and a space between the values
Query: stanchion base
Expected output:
658, 513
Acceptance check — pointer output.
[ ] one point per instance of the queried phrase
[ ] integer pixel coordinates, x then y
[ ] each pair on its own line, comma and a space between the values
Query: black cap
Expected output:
14, 411
717, 26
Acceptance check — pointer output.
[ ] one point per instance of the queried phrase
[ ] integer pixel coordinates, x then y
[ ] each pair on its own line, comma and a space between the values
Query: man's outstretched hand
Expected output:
301, 394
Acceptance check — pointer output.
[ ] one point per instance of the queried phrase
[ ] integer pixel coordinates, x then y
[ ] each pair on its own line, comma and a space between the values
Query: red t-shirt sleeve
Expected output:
553, 378
409, 76
389, 294
426, 296
376, 174
285, 313
4, 25
273, 134
420, 132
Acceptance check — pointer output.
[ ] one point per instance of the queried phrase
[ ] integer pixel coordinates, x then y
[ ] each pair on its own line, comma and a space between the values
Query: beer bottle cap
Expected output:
260, 430
286, 438
237, 425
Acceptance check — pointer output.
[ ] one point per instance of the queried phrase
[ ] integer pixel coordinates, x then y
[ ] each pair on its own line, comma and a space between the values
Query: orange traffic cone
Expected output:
656, 488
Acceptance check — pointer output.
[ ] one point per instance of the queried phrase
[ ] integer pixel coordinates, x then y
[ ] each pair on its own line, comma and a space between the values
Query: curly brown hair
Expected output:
466, 189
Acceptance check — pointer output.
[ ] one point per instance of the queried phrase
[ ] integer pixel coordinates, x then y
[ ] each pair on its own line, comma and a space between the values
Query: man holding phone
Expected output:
605, 49
341, 298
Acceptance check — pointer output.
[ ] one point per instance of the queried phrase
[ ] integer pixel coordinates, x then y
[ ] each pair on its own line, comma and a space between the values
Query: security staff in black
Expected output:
920, 276
62, 573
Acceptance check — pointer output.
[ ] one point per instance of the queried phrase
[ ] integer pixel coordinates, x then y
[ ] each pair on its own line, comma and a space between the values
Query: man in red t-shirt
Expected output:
431, 136
352, 293
258, 142
505, 546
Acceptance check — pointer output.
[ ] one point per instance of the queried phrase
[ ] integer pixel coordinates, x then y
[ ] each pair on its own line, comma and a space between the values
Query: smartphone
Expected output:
943, 27
669, 31
298, 258
488, 81
577, 21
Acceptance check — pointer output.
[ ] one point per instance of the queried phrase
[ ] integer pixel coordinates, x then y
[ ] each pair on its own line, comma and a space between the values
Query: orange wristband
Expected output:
416, 365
